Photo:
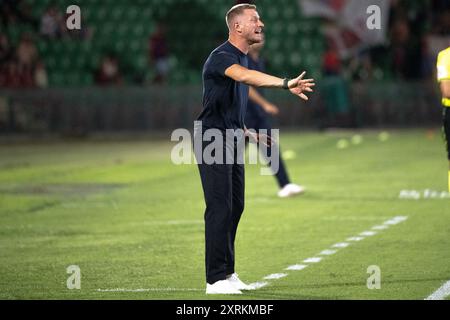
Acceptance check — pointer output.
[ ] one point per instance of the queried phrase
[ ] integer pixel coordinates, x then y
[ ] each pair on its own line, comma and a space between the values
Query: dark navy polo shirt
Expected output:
224, 100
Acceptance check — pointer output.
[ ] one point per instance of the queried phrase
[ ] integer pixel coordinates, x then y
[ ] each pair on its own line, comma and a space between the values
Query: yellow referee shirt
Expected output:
443, 70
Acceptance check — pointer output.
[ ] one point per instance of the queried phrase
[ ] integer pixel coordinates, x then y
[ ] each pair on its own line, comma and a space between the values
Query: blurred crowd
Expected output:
417, 31
21, 66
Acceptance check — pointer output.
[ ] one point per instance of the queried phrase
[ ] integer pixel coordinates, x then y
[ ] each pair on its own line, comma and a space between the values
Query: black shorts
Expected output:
446, 129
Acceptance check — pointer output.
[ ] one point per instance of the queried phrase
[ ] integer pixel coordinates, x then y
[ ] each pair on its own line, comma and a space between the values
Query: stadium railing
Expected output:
164, 108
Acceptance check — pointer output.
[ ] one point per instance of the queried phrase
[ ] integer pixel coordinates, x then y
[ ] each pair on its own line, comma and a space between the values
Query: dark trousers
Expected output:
223, 188
258, 122
446, 129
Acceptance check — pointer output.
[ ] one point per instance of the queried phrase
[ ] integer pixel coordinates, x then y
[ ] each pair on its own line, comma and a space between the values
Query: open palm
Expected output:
299, 86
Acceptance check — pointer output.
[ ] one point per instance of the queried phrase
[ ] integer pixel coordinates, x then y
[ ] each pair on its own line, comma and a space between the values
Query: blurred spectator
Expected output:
19, 77
26, 52
21, 67
52, 23
405, 51
40, 75
428, 58
441, 17
108, 72
3, 75
159, 54
5, 49
331, 62
11, 77
361, 67
335, 89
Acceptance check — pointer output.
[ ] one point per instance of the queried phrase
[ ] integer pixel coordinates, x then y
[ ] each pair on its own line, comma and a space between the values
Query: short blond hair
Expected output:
237, 10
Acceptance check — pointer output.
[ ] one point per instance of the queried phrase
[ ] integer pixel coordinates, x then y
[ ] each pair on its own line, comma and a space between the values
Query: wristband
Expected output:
286, 83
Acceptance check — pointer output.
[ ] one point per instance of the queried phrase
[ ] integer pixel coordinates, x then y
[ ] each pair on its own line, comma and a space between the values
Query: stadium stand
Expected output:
194, 27
392, 83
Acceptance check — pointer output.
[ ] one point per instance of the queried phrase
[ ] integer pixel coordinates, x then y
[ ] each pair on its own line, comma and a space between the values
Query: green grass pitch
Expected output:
130, 219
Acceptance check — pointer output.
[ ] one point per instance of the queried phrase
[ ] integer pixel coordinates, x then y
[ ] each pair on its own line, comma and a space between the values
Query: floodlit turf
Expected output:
130, 219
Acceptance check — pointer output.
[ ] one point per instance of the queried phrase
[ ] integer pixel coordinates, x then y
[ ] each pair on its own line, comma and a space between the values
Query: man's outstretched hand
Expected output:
299, 85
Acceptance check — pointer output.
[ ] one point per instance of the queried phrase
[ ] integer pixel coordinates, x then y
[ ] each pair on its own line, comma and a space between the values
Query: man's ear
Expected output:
238, 27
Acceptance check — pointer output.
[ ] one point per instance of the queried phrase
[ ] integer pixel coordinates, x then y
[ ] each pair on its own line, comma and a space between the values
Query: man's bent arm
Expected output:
445, 88
253, 77
256, 97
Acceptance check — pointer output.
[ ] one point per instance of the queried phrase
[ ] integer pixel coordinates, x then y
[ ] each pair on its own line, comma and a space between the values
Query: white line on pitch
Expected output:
440, 293
275, 276
257, 285
381, 227
368, 233
341, 245
312, 260
396, 220
296, 267
361, 236
355, 239
328, 252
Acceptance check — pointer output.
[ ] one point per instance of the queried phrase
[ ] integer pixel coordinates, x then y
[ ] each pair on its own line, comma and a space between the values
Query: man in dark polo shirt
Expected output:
226, 78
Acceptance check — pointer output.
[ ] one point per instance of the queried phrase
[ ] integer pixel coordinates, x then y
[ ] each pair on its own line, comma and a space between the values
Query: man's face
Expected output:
251, 27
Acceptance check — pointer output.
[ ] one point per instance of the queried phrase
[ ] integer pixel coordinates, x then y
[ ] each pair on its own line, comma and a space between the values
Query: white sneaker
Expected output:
237, 283
221, 287
290, 190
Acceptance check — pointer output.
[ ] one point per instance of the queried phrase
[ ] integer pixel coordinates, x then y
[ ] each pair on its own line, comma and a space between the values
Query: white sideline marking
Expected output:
328, 252
396, 220
368, 233
440, 293
148, 289
312, 260
296, 267
275, 276
257, 285
341, 245
381, 227
386, 224
355, 238
392, 222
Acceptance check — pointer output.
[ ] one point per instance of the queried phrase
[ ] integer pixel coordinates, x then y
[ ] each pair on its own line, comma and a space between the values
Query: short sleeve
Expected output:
221, 61
443, 65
